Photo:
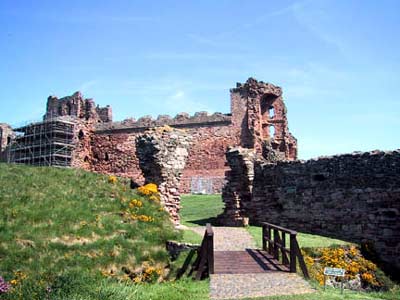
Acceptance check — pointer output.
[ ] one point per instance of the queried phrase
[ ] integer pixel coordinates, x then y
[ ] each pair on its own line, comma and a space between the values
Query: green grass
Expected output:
305, 240
191, 237
198, 210
335, 294
62, 227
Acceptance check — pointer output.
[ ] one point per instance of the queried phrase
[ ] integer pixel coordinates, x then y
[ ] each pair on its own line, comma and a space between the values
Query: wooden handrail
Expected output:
204, 263
274, 242
273, 226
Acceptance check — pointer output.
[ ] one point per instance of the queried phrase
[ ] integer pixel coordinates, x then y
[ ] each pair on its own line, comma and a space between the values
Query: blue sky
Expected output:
338, 62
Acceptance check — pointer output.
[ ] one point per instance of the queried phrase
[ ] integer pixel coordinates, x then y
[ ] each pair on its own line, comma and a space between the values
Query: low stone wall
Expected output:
354, 197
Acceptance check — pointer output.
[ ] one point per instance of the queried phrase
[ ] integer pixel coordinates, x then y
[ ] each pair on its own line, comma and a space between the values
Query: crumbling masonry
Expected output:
162, 154
353, 197
100, 145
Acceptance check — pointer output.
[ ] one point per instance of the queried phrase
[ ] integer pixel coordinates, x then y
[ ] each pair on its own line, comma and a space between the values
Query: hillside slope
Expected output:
60, 228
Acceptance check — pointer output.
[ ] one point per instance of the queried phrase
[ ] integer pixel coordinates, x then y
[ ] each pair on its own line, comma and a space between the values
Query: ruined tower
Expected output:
259, 110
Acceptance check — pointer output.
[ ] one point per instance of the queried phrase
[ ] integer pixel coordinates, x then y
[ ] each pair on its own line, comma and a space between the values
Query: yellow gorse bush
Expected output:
148, 189
349, 259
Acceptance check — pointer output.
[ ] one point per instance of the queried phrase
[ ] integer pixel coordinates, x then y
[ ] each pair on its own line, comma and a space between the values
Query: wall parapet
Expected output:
199, 119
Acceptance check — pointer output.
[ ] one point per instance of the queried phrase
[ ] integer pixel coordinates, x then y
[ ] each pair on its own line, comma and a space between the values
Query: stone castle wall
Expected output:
115, 153
6, 135
78, 107
109, 147
354, 197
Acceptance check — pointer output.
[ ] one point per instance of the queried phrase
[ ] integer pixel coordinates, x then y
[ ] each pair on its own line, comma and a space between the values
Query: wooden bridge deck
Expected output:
237, 270
250, 261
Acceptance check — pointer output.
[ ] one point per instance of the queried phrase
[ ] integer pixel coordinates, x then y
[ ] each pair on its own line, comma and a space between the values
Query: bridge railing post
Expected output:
293, 252
210, 248
264, 235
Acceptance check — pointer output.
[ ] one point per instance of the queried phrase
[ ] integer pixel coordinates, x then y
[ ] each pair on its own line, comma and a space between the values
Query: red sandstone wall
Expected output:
115, 153
207, 155
109, 147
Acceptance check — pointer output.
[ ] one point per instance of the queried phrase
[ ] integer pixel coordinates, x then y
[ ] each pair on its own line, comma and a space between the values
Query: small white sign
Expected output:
334, 272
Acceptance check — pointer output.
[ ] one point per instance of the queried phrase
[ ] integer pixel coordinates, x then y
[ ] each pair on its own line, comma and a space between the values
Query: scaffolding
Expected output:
47, 143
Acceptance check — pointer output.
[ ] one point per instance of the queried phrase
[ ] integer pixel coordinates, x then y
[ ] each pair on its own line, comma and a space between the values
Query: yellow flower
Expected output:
143, 218
155, 198
112, 179
14, 282
367, 277
135, 203
148, 189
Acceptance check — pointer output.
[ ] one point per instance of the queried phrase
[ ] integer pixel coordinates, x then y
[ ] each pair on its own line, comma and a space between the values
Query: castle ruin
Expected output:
77, 133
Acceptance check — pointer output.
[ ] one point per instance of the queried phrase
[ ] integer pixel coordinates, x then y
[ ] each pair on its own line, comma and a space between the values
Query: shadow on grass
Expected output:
202, 222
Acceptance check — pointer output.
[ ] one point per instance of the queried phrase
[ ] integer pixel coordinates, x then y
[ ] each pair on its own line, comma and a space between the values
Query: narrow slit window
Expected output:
272, 131
81, 134
271, 112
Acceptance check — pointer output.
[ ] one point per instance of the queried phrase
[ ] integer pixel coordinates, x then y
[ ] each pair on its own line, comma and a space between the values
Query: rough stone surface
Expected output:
77, 106
6, 136
108, 147
237, 192
265, 118
354, 197
162, 154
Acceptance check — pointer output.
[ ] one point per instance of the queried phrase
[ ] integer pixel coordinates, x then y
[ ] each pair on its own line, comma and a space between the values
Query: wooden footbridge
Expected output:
274, 256
248, 272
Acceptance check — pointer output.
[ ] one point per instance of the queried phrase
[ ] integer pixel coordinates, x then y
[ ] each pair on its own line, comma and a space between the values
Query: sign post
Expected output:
336, 272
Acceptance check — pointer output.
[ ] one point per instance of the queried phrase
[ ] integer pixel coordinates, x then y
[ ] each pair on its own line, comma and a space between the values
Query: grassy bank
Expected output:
70, 234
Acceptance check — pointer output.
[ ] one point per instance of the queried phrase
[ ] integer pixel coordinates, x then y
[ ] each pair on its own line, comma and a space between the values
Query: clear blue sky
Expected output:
338, 62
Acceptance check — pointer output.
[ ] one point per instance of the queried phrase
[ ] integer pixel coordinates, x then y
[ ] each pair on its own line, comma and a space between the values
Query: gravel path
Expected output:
237, 286
229, 238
